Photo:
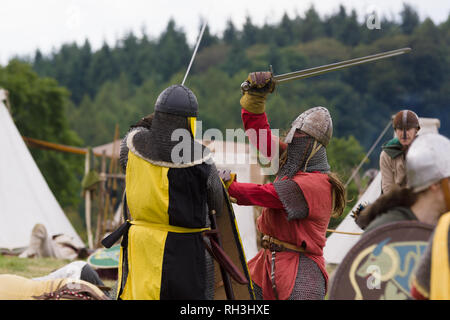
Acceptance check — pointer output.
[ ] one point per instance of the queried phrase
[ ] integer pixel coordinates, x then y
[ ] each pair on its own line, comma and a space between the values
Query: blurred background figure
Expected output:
392, 158
58, 246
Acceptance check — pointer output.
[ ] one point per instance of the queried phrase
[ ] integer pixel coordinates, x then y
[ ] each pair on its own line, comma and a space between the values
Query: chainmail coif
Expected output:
297, 154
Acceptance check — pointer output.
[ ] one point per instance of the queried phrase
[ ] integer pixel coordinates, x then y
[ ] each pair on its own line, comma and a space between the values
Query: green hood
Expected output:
393, 148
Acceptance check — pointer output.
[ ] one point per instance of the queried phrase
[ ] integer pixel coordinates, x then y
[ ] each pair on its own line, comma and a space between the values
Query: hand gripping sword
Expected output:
311, 72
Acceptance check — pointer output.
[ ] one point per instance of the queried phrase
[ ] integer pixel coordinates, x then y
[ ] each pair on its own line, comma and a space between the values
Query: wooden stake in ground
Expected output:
87, 197
101, 202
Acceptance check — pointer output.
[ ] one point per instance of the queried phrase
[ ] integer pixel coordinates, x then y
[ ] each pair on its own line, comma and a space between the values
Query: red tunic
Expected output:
259, 122
273, 221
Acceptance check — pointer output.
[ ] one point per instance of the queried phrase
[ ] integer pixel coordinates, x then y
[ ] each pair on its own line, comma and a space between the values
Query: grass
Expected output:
31, 268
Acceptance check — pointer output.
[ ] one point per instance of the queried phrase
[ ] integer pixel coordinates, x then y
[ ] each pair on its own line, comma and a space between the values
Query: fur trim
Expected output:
398, 197
165, 164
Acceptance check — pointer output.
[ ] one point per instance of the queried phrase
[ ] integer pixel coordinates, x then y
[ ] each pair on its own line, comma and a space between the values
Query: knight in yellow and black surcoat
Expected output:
163, 254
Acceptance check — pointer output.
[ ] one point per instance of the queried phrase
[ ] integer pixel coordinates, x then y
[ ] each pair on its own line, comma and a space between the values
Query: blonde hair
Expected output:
339, 195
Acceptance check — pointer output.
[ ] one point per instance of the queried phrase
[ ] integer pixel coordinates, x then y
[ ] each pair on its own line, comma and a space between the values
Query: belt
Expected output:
273, 244
122, 231
168, 227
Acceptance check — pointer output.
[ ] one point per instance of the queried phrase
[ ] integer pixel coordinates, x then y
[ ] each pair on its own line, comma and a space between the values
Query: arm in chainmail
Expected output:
215, 196
123, 155
215, 201
291, 195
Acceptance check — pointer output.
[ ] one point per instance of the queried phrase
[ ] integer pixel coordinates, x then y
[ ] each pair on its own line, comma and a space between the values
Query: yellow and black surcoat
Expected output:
165, 254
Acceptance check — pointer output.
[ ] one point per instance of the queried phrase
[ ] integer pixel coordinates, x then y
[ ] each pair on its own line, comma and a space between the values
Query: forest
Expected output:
76, 95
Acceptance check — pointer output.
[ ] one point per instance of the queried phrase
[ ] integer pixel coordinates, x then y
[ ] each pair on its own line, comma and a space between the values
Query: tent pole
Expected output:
87, 197
101, 207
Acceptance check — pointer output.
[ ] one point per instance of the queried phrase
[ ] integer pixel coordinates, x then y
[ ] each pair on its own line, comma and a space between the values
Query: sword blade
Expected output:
337, 66
195, 52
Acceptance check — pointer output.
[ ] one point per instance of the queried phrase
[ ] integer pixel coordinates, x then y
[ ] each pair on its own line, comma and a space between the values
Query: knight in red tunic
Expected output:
297, 206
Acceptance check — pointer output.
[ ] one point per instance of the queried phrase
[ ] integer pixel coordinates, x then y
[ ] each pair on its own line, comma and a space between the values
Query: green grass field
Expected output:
30, 268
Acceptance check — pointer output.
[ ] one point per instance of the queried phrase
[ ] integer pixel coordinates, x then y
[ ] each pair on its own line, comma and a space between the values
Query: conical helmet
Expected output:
178, 100
315, 122
405, 119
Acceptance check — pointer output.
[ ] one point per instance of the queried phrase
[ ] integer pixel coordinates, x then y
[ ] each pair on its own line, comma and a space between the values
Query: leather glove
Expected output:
262, 80
358, 215
261, 84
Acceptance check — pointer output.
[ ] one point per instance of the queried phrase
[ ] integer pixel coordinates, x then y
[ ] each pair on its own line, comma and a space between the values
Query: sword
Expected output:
195, 52
311, 72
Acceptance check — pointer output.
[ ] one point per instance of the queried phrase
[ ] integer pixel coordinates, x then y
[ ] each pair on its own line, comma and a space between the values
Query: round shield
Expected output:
380, 265
105, 258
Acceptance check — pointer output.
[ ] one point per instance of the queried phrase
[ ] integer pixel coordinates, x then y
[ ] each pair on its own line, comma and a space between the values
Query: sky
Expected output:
26, 25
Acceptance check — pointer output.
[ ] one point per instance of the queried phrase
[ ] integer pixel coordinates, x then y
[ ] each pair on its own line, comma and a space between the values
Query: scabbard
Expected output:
224, 261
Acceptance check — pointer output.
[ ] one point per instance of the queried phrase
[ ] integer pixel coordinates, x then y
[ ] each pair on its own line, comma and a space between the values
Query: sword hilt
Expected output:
245, 86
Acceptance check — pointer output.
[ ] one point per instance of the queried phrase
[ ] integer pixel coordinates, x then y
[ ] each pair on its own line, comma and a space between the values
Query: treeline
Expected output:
119, 84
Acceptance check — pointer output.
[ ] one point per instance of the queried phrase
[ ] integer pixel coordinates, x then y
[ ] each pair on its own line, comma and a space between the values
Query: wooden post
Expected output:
101, 202
112, 183
87, 203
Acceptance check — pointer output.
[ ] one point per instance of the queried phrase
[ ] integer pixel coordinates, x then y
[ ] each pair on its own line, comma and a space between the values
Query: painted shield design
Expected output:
105, 262
381, 264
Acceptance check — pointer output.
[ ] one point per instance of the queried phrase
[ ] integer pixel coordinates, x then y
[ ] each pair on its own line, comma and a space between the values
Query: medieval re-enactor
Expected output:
422, 199
297, 206
392, 157
167, 194
431, 279
58, 246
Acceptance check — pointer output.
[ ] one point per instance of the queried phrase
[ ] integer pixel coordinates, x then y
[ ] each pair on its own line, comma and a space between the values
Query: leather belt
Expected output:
273, 244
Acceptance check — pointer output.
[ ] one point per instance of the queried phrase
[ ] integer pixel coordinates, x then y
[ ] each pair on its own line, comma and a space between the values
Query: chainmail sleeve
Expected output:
215, 201
291, 195
215, 197
123, 155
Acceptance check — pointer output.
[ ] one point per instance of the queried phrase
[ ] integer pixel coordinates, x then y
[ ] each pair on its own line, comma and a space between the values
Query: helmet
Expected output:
427, 161
178, 100
315, 122
405, 119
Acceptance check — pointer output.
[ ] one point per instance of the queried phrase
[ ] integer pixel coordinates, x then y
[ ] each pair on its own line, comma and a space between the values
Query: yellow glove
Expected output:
260, 85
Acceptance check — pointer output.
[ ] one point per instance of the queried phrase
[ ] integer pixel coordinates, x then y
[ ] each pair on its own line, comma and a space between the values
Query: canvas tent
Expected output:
240, 158
25, 198
338, 245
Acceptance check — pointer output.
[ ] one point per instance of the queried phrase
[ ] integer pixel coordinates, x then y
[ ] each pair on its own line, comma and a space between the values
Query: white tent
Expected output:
25, 198
337, 244
239, 158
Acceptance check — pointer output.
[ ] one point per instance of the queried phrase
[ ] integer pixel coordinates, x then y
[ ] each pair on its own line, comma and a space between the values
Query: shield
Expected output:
105, 262
381, 264
231, 243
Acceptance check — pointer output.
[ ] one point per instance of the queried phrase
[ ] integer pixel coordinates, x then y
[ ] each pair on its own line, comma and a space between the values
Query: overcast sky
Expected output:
26, 25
